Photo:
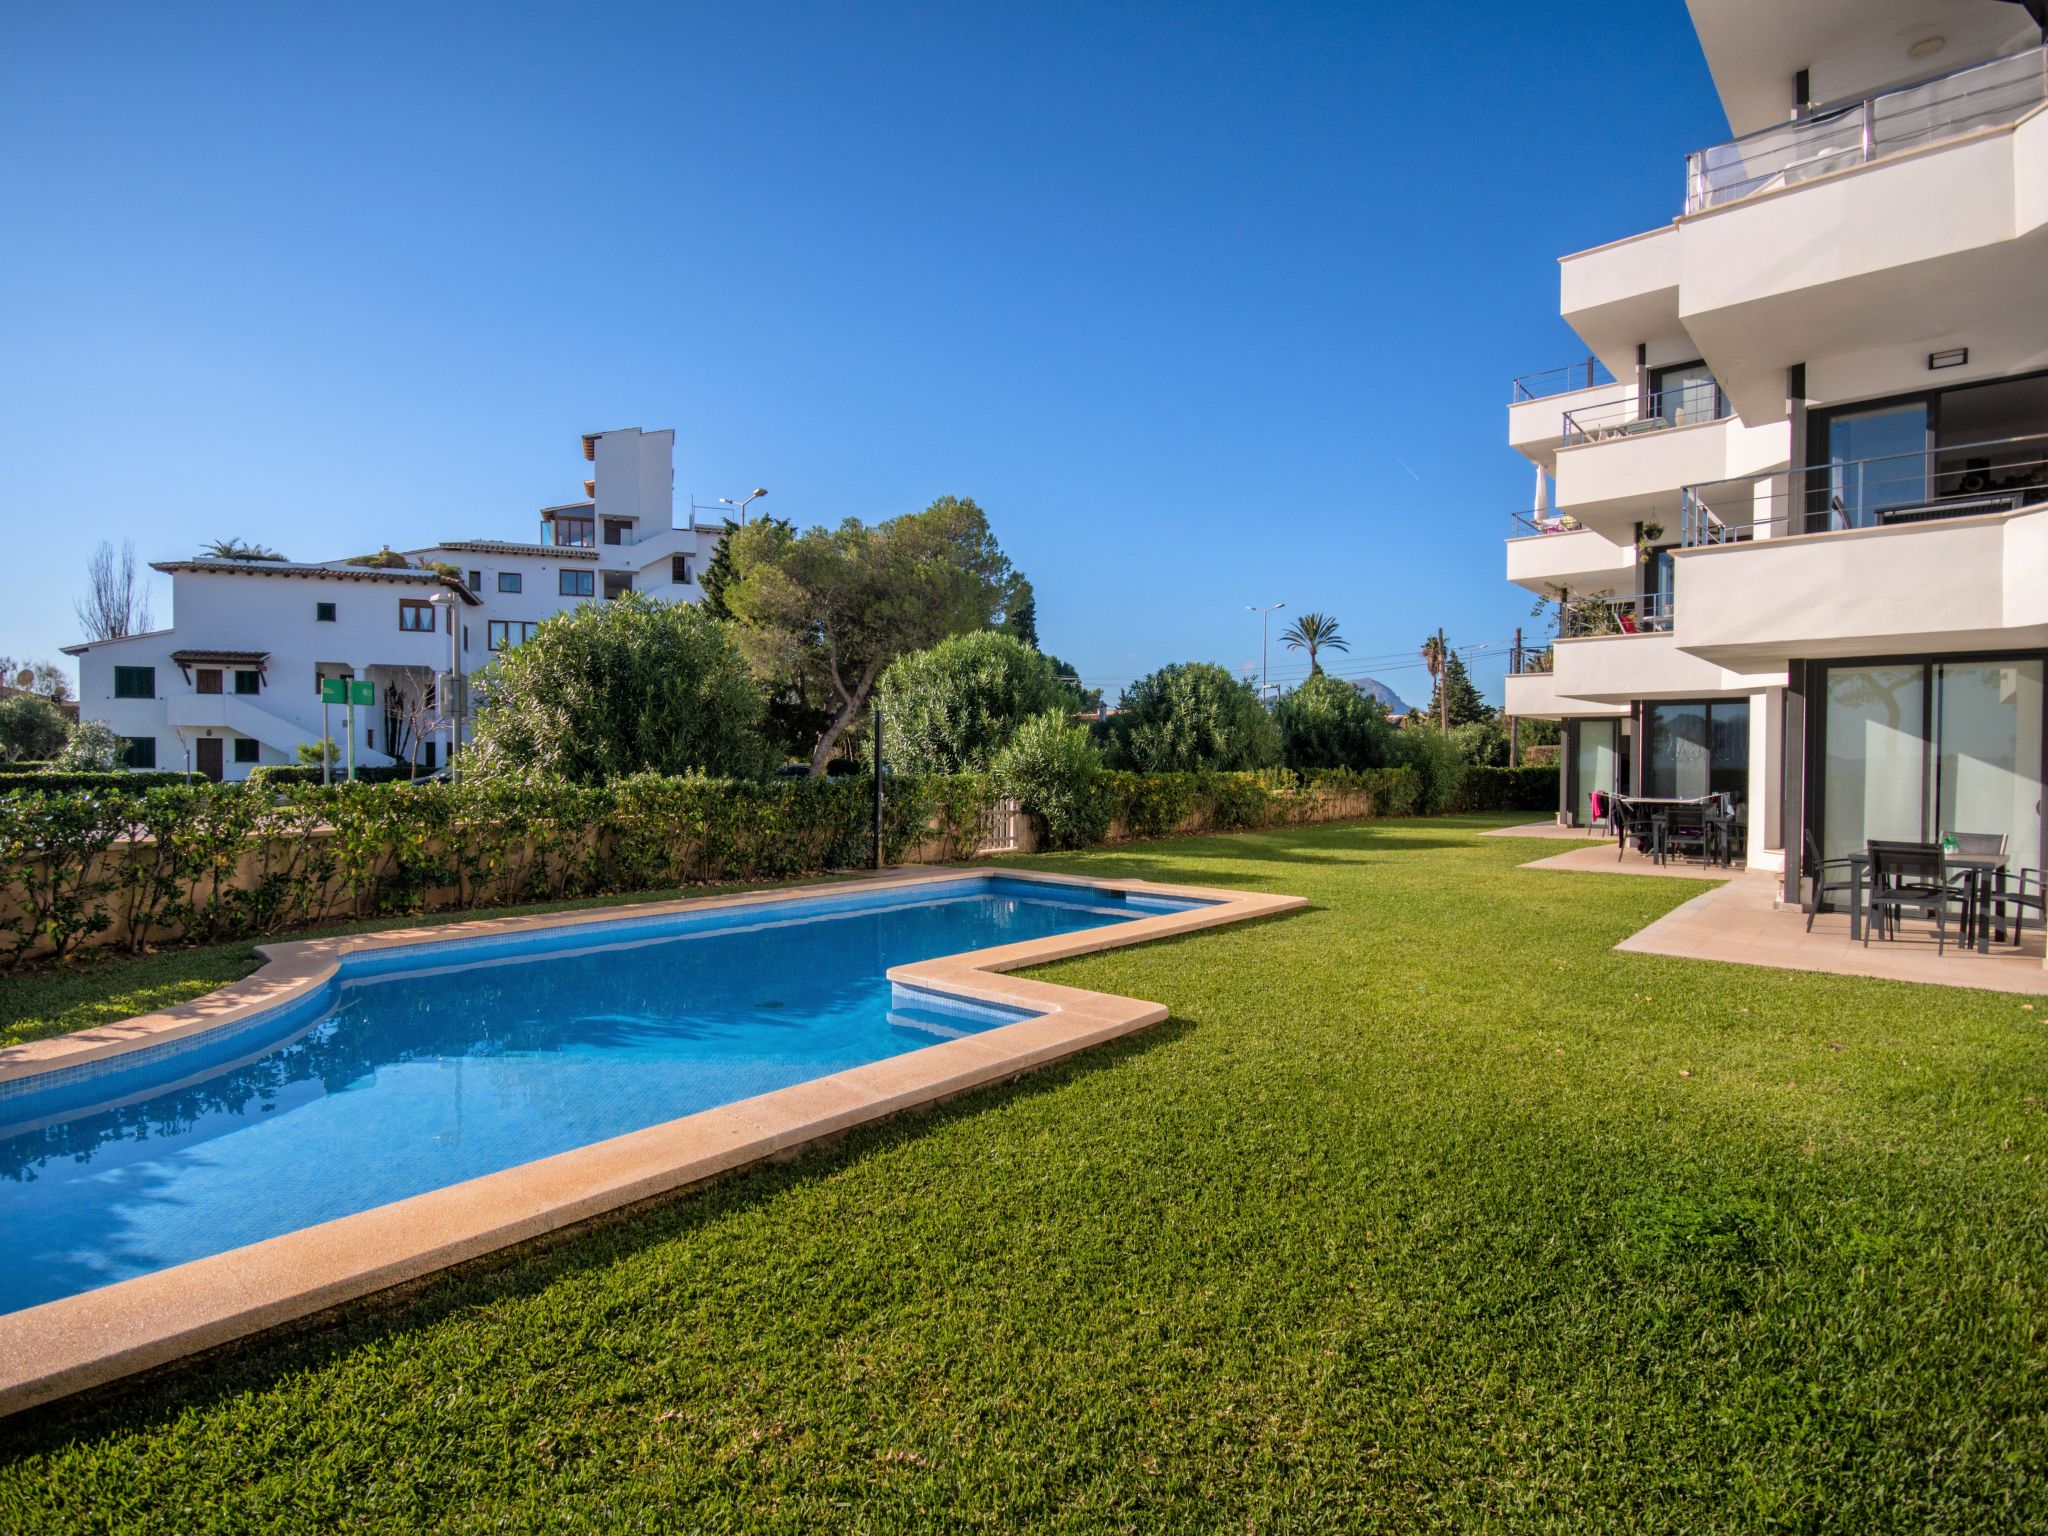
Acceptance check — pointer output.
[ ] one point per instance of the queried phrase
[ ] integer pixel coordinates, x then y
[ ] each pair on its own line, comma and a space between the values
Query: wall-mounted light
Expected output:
1927, 47
1953, 358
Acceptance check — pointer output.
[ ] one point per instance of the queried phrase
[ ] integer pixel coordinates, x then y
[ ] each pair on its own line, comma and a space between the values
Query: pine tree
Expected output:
1455, 697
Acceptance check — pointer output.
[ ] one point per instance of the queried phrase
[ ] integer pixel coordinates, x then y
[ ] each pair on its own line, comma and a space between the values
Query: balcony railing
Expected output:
1682, 405
1835, 138
1558, 381
1524, 525
1585, 617
1929, 485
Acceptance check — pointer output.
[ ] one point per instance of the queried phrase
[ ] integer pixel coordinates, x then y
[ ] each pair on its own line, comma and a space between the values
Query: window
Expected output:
476, 581
510, 581
207, 680
503, 634
426, 754
615, 530
1696, 748
246, 749
135, 682
679, 570
579, 583
247, 681
576, 532
138, 751
323, 613
415, 615
1686, 394
617, 584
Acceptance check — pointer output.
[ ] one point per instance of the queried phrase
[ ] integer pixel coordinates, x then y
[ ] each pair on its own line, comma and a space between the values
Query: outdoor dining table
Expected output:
1986, 872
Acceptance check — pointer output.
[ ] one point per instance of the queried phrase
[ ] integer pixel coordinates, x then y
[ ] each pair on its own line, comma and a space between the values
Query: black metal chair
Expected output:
2020, 900
1818, 886
1913, 877
1680, 829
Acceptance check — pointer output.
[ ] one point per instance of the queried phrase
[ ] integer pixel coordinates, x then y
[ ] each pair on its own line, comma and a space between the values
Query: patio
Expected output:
1742, 922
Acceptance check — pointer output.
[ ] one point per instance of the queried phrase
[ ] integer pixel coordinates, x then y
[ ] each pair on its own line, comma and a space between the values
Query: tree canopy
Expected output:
626, 686
952, 707
1328, 723
32, 729
827, 609
1455, 696
1314, 633
1189, 717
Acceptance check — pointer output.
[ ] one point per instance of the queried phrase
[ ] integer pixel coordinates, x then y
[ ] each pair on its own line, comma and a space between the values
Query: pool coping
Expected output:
78, 1342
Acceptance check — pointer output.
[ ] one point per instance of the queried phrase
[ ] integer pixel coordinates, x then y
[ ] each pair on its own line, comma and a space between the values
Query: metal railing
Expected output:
1558, 381
1531, 661
1682, 405
1585, 617
1524, 525
1947, 481
1834, 138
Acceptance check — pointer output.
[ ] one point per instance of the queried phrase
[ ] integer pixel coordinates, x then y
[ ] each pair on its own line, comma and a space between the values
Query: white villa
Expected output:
236, 680
1797, 498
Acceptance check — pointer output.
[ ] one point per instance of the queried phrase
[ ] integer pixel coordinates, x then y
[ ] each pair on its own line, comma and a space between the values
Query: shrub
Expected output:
1484, 788
31, 727
1437, 761
1191, 717
616, 688
276, 775
1054, 770
93, 748
952, 708
1328, 723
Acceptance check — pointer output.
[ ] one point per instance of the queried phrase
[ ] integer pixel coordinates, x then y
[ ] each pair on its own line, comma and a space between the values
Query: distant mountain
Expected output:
1380, 691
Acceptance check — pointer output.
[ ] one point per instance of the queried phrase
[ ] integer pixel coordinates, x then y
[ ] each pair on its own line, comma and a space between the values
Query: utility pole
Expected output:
1514, 721
1443, 675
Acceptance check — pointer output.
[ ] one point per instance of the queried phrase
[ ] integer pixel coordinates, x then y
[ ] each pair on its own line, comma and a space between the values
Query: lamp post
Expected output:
446, 604
1263, 614
741, 506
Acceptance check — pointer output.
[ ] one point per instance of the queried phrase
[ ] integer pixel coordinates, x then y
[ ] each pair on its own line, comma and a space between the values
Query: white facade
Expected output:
235, 681
1819, 474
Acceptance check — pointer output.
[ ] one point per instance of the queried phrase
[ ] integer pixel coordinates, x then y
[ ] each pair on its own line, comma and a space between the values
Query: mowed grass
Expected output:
1425, 1211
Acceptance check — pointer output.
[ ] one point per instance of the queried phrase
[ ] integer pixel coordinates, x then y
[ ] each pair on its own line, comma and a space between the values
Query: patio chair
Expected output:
1913, 877
2019, 900
1681, 829
1818, 886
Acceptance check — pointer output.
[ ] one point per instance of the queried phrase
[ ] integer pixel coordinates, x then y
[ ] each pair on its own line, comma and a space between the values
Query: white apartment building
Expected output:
1798, 496
236, 680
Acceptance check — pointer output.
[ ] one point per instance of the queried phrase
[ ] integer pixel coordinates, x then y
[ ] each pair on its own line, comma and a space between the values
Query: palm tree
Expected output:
1433, 658
237, 549
1313, 632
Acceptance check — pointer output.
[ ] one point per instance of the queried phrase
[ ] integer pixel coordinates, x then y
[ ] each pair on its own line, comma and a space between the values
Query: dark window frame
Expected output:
138, 752
248, 750
511, 581
128, 675
414, 606
577, 584
323, 613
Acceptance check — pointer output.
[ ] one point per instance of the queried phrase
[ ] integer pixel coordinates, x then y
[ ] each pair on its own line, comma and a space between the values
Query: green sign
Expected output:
333, 690
362, 691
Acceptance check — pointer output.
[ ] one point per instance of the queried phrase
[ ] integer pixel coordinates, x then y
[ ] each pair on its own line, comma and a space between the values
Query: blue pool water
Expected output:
423, 1066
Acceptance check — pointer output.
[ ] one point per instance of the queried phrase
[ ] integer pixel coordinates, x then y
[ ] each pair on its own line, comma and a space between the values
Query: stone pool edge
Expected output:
79, 1342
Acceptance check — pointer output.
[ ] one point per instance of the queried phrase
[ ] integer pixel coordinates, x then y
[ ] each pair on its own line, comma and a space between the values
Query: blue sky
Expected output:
1208, 305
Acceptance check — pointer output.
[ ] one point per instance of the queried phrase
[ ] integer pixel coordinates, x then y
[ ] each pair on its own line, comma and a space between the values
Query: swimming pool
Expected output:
423, 1065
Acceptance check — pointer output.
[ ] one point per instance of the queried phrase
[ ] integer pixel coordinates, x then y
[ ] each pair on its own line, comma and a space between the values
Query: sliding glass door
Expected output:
1987, 762
1596, 763
1877, 459
1696, 748
1916, 750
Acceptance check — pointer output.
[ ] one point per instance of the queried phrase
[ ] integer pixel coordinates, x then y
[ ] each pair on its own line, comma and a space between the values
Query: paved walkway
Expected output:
1740, 922
1600, 859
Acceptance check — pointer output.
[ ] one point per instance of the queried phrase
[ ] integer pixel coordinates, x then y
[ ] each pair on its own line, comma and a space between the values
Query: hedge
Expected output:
124, 859
40, 778
1505, 789
277, 774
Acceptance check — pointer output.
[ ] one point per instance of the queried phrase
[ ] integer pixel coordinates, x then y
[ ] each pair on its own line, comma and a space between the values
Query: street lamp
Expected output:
1262, 613
447, 606
741, 506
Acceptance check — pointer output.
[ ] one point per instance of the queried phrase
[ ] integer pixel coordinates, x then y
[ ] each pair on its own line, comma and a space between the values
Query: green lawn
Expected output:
1425, 1211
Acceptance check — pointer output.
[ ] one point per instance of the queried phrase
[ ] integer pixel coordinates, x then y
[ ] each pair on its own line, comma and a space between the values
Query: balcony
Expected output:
1952, 480
1628, 464
1815, 260
1540, 402
1989, 95
1548, 553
